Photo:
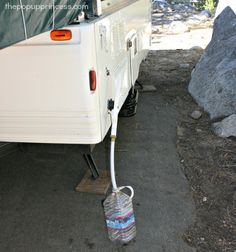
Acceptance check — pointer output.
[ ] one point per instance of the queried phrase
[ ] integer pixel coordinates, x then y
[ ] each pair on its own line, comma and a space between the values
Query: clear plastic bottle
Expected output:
119, 215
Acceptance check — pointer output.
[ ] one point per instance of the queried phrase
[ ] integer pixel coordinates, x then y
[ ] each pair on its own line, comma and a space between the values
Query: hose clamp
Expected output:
113, 138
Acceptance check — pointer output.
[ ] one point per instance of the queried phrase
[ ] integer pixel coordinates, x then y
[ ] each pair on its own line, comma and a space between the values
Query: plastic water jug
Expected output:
120, 220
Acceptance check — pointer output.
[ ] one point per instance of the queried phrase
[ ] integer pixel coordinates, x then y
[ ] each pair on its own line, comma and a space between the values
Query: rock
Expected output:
204, 199
197, 18
177, 27
178, 17
160, 6
196, 114
155, 31
180, 131
226, 128
193, 20
184, 66
198, 130
206, 13
196, 48
213, 82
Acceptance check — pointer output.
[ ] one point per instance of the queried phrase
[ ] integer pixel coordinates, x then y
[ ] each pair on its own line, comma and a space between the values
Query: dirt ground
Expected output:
209, 161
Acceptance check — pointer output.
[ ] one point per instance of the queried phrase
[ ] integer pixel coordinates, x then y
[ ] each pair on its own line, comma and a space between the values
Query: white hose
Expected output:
112, 165
114, 121
114, 117
113, 174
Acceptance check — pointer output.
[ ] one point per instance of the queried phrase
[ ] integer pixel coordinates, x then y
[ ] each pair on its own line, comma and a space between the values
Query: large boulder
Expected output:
213, 83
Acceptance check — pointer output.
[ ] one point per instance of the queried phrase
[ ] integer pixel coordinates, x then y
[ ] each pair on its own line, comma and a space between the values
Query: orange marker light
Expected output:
93, 80
61, 35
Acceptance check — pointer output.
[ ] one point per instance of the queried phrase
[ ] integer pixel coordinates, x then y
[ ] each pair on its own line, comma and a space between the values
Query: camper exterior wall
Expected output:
48, 99
112, 34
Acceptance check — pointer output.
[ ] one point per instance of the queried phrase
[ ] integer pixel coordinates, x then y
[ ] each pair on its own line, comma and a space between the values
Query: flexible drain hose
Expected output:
118, 207
112, 150
112, 156
112, 165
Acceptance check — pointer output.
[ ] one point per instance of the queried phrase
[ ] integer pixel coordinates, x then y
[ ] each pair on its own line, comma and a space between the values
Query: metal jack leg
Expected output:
93, 180
91, 165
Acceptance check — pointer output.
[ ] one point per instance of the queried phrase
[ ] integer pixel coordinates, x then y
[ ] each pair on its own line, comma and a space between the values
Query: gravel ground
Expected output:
41, 212
180, 26
209, 161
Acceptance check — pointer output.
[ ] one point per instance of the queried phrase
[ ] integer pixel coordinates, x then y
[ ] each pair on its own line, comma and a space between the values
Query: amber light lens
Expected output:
61, 35
93, 80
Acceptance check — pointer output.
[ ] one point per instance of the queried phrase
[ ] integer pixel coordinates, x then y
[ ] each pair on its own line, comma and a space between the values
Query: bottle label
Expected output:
121, 223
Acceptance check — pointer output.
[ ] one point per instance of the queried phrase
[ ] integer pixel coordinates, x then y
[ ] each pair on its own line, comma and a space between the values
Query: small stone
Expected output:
185, 66
206, 13
178, 17
204, 199
202, 238
196, 114
155, 31
196, 48
199, 130
180, 131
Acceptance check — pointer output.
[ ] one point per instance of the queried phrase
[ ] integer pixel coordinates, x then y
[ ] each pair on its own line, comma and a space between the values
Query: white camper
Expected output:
63, 80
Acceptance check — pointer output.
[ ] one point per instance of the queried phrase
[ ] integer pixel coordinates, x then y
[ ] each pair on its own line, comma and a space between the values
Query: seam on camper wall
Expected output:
23, 18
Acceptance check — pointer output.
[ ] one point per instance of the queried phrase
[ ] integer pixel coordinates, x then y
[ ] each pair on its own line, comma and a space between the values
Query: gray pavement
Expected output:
40, 212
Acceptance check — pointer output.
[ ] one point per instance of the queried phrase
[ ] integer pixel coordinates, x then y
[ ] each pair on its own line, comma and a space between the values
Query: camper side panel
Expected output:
118, 63
45, 93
